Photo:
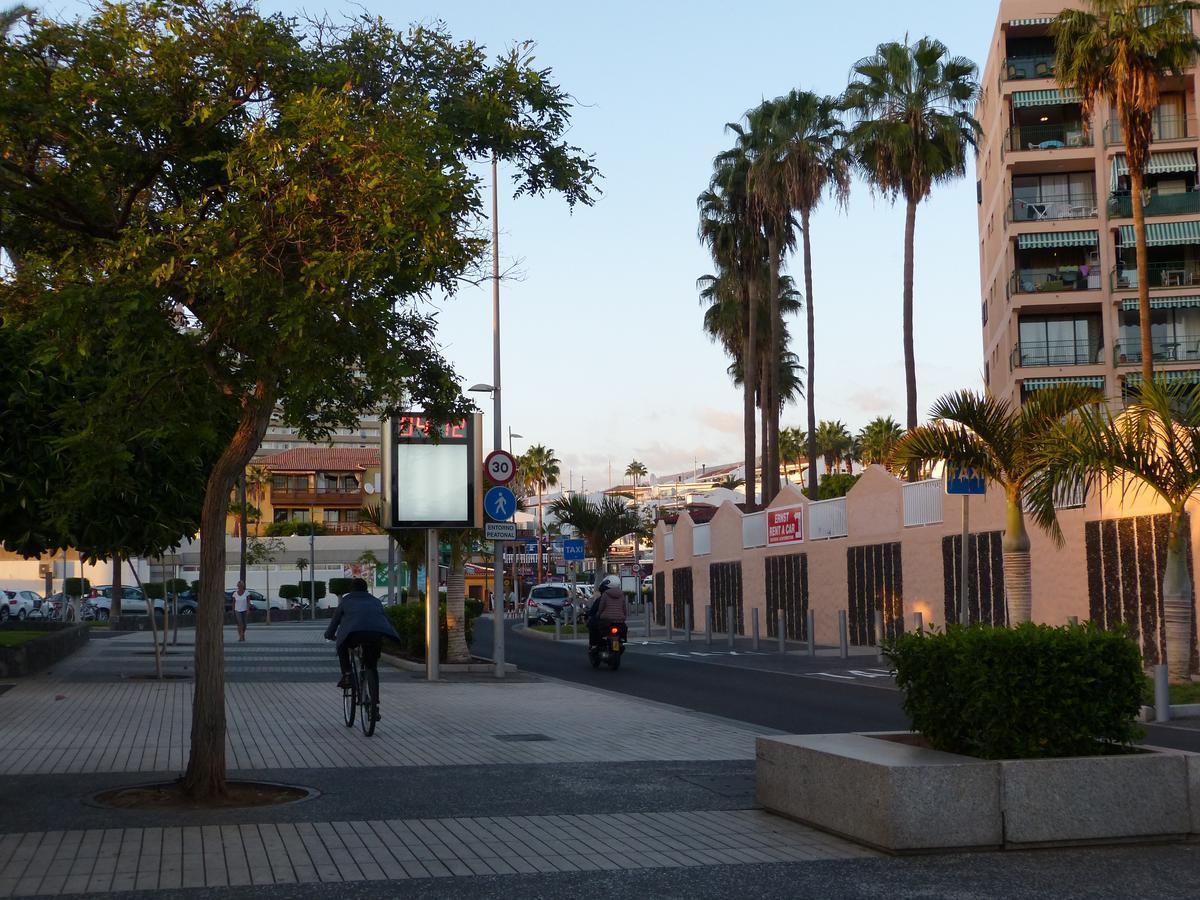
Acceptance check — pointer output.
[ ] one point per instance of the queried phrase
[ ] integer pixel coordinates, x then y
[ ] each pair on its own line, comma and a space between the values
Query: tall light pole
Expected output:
511, 435
497, 432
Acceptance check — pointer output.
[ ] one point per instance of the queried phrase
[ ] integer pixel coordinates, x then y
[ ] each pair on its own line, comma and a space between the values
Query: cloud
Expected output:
875, 401
720, 420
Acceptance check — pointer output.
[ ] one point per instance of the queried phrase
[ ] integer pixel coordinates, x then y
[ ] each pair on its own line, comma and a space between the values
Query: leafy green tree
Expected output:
1153, 446
912, 130
877, 439
264, 552
1006, 444
540, 468
1116, 54
836, 485
232, 183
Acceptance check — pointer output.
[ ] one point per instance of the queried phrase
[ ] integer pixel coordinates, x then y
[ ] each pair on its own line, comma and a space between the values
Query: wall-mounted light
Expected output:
1045, 118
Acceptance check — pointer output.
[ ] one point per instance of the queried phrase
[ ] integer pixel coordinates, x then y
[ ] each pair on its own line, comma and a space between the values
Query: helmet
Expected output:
607, 582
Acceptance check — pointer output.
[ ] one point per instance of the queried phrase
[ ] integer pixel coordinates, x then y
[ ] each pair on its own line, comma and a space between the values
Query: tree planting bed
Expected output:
54, 641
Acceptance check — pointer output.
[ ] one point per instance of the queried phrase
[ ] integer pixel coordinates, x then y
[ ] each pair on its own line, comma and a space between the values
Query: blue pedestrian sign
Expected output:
572, 550
964, 480
500, 503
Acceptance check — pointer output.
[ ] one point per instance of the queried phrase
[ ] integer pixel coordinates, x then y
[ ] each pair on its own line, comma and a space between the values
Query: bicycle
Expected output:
363, 692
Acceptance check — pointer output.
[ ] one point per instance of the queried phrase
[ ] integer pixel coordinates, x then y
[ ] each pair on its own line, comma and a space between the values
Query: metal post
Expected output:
391, 569
964, 614
647, 621
497, 430
242, 531
433, 642
730, 623
312, 565
708, 621
843, 634
754, 628
1162, 695
780, 631
879, 634
557, 628
810, 622
668, 620
1072, 621
687, 624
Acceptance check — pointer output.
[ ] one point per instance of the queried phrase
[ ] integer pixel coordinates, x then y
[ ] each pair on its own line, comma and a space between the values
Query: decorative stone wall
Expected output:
787, 589
875, 578
985, 577
681, 594
725, 590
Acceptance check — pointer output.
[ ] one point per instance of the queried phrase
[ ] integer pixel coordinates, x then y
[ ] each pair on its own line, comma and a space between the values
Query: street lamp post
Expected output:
510, 440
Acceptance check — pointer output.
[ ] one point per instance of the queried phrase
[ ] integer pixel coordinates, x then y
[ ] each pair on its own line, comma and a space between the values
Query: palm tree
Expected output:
257, 479
1154, 446
1006, 445
541, 467
912, 132
601, 524
729, 482
833, 441
877, 439
636, 471
793, 444
463, 541
1118, 54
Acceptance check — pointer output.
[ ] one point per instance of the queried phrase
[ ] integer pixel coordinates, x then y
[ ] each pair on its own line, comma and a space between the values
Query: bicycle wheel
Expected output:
369, 701
350, 695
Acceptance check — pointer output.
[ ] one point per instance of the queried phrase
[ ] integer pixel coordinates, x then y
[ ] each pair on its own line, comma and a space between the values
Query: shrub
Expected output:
196, 588
289, 591
153, 589
1020, 693
836, 484
409, 621
472, 608
76, 587
341, 586
308, 587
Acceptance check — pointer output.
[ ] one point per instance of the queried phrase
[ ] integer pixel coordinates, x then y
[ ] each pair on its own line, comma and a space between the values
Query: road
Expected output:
808, 698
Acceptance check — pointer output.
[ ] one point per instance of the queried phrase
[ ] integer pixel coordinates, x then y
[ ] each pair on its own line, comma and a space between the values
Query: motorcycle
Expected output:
611, 646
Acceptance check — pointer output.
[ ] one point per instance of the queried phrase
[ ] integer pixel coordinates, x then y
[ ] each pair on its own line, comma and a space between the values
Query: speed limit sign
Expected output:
500, 467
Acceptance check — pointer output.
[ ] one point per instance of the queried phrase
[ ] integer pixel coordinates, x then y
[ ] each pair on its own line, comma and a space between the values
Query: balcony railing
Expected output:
1183, 203
1051, 207
1128, 351
1019, 68
1056, 353
319, 497
1050, 280
1160, 275
1048, 137
1163, 128
923, 502
350, 528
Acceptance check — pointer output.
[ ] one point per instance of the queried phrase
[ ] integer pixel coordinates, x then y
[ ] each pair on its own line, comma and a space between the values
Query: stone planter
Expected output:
888, 792
59, 641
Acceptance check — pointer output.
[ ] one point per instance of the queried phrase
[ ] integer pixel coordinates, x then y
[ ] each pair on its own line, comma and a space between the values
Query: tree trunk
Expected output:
205, 776
1018, 587
1177, 603
114, 609
1139, 231
774, 357
910, 361
810, 396
456, 627
764, 427
749, 368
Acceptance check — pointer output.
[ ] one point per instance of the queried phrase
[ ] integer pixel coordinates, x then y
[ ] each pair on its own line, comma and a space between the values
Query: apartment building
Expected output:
1056, 244
284, 437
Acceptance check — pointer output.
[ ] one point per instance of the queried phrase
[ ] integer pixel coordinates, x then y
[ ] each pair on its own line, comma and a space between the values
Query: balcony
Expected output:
1051, 207
1056, 353
352, 497
1052, 279
1163, 128
350, 528
1166, 348
1019, 68
1182, 203
1160, 275
1050, 136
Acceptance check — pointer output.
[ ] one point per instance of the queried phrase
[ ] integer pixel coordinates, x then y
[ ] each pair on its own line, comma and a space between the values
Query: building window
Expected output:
1174, 335
1061, 340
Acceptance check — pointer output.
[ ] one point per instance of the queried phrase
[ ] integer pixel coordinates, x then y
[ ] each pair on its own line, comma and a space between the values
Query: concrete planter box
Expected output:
885, 791
59, 641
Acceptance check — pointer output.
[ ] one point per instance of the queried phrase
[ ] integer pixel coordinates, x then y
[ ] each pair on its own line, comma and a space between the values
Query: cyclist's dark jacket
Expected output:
359, 611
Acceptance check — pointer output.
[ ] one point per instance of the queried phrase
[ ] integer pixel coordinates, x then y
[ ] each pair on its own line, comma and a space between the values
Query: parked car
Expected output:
551, 598
648, 583
133, 601
259, 602
20, 604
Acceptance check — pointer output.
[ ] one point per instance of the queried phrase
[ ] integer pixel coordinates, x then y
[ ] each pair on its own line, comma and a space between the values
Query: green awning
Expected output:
1164, 303
1058, 239
1160, 163
1042, 20
1163, 234
1035, 384
1186, 376
1044, 98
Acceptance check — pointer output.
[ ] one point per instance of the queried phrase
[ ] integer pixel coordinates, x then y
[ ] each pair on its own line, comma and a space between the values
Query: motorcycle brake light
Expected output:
615, 630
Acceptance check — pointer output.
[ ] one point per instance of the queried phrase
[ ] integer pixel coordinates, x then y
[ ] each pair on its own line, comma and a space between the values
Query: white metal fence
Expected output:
669, 546
754, 530
701, 541
923, 502
827, 518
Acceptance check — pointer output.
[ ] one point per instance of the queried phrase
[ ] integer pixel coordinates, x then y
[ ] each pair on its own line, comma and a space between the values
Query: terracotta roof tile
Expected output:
321, 459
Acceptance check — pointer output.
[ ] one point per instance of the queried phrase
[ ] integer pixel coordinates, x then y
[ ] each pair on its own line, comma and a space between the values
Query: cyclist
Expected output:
359, 621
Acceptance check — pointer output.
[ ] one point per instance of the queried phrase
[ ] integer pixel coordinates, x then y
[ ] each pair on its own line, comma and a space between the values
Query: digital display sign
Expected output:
432, 482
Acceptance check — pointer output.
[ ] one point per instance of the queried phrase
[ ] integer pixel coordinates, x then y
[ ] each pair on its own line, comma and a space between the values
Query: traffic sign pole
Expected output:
964, 611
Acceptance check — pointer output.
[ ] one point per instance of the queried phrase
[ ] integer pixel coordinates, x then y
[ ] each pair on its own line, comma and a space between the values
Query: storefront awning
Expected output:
1044, 98
1164, 303
1163, 234
1171, 376
1036, 384
1058, 239
1020, 23
1168, 161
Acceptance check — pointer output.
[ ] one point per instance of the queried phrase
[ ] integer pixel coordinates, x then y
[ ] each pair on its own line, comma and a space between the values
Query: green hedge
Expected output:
1021, 693
409, 621
341, 586
308, 587
288, 529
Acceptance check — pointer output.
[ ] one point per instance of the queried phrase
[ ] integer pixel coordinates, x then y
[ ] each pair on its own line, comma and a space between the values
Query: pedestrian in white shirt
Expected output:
241, 606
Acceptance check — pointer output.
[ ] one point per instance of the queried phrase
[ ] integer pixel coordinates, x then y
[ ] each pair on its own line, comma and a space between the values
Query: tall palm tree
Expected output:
541, 467
257, 479
877, 439
793, 445
1006, 444
463, 541
729, 482
912, 132
833, 441
601, 524
636, 471
1152, 446
1118, 53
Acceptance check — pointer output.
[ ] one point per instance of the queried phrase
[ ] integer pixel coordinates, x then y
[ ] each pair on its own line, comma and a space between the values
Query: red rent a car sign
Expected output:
785, 525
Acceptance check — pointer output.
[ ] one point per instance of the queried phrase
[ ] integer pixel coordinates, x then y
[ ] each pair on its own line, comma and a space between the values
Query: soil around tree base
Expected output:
170, 796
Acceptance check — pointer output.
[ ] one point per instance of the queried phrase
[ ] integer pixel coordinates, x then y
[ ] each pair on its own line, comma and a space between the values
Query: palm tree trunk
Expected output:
1018, 579
456, 630
910, 360
810, 395
1177, 603
749, 385
764, 427
1139, 231
774, 356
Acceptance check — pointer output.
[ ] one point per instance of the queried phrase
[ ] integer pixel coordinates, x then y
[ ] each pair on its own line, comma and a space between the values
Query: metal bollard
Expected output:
730, 623
919, 622
879, 634
811, 622
557, 628
669, 621
780, 633
1162, 695
647, 621
843, 634
687, 624
708, 625
754, 628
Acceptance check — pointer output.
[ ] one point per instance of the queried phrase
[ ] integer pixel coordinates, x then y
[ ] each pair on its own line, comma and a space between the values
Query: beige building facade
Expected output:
1057, 271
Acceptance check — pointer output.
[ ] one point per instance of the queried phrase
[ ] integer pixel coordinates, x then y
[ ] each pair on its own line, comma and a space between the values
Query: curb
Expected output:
408, 665
1178, 711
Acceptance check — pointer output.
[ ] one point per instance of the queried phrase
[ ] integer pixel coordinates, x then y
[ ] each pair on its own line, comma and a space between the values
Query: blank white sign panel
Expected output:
431, 482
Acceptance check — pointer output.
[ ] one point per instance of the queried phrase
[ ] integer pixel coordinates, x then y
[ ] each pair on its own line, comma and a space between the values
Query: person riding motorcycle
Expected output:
607, 609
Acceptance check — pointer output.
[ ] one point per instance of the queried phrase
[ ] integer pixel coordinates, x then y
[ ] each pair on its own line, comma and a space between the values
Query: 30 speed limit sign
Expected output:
500, 467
